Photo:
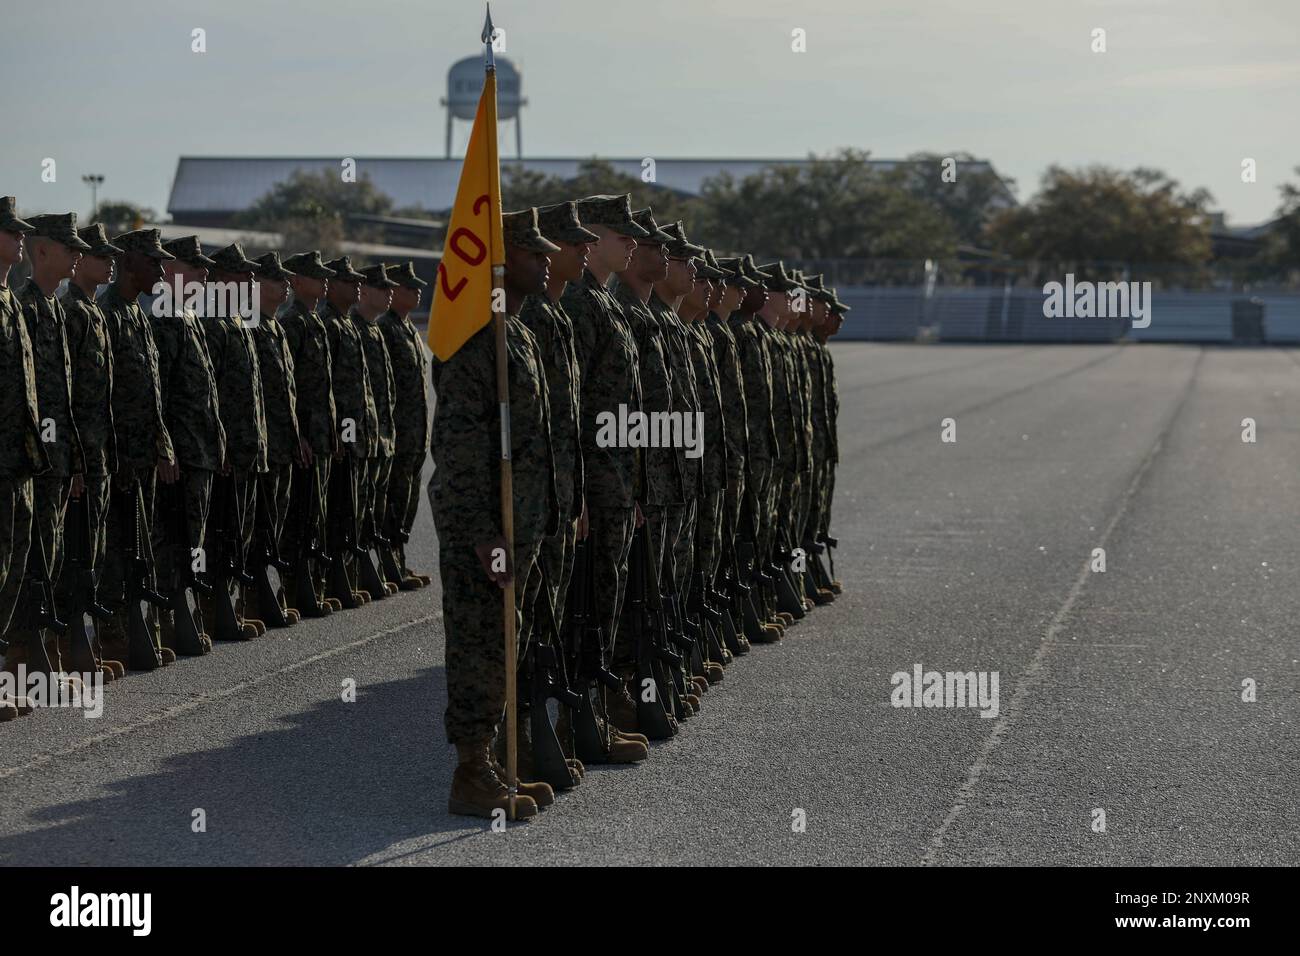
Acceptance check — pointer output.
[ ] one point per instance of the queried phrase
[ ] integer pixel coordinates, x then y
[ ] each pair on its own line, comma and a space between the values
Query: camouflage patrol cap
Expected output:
59, 227
9, 221
614, 212
679, 247
703, 270
343, 271
309, 266
778, 280
189, 250
816, 285
404, 275
147, 241
560, 223
733, 267
95, 237
520, 229
838, 307
231, 258
753, 271
377, 278
269, 266
645, 218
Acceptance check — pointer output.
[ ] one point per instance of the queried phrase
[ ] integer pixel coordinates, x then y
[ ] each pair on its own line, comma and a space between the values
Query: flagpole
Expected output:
503, 401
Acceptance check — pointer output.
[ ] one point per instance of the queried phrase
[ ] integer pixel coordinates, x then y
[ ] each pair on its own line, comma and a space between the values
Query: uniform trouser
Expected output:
372, 494
683, 548
708, 534
660, 523
44, 557
403, 500
344, 495
112, 586
275, 487
828, 495
473, 622
177, 545
309, 512
555, 561
609, 545
15, 540
246, 498
811, 526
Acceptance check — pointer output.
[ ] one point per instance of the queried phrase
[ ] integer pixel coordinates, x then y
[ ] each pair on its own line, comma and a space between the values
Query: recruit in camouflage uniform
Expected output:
406, 353
614, 476
665, 495
376, 297
243, 415
679, 544
731, 289
465, 495
546, 319
763, 450
309, 345
92, 409
144, 445
283, 437
22, 454
688, 285
189, 395
356, 423
53, 248
693, 309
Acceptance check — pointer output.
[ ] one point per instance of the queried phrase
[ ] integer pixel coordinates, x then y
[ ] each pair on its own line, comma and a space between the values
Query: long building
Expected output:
210, 190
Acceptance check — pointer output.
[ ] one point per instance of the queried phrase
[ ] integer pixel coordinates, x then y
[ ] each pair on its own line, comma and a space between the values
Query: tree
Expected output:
310, 210
119, 216
970, 201
1097, 222
836, 207
522, 187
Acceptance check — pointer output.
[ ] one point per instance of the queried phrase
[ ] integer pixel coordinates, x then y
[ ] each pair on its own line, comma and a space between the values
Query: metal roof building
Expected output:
208, 190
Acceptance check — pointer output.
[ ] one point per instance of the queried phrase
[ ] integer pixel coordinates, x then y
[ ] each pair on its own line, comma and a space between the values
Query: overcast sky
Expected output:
1191, 87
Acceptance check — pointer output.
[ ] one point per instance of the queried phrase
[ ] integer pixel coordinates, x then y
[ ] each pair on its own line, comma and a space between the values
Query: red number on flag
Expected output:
477, 253
450, 293
480, 252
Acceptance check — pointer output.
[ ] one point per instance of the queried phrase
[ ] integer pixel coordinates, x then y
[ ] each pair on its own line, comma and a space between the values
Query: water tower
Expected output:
465, 85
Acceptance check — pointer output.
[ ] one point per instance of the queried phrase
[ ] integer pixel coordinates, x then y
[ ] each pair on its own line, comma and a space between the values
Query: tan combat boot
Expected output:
477, 791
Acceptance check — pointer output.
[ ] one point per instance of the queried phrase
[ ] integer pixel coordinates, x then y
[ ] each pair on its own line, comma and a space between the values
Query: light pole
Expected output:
94, 181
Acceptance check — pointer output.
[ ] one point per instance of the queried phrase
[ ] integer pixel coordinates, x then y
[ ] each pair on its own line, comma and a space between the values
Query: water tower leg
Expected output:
519, 135
449, 132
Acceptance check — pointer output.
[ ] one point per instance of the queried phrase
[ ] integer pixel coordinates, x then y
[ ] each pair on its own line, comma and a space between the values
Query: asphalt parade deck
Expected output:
1119, 691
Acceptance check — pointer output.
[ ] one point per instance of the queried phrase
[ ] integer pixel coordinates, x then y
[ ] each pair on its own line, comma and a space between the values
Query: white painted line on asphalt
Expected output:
1034, 672
215, 697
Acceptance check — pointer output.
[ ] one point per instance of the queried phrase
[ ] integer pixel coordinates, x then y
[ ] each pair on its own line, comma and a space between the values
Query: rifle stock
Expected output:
142, 650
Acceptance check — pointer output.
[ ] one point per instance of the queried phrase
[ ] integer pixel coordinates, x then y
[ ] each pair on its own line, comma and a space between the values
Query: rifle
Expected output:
41, 614
224, 518
544, 672
84, 597
653, 658
185, 584
388, 554
367, 573
342, 515
141, 650
265, 557
304, 498
757, 575
586, 653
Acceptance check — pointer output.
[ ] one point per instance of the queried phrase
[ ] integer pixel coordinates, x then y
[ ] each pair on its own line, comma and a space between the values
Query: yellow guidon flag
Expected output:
462, 296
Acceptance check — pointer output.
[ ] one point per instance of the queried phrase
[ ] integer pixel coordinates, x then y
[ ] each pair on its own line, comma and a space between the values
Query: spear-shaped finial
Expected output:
489, 61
